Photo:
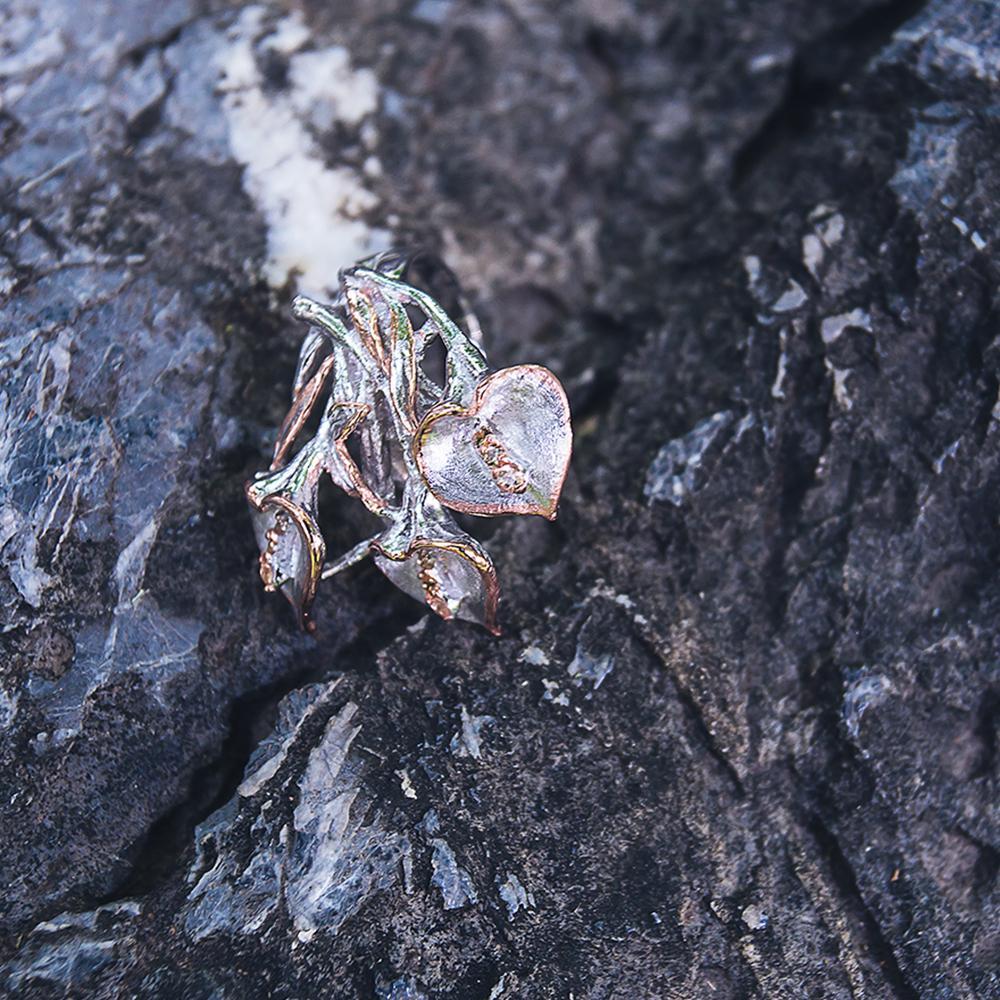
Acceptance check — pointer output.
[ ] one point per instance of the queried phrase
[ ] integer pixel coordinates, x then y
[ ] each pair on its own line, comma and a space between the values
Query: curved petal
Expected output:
455, 578
292, 549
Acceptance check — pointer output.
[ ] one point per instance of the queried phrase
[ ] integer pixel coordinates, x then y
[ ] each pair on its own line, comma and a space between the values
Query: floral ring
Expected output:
480, 443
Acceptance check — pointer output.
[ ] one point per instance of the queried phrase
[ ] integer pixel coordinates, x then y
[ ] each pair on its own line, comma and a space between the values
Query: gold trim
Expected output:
299, 413
312, 539
549, 511
479, 561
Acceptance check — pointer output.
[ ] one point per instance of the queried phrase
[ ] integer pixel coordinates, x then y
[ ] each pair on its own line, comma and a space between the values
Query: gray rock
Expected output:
739, 737
318, 862
515, 896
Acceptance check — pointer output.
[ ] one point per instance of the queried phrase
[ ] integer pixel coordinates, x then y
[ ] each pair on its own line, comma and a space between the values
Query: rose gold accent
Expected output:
301, 409
272, 535
408, 417
467, 552
453, 409
432, 587
507, 474
361, 489
311, 537
365, 320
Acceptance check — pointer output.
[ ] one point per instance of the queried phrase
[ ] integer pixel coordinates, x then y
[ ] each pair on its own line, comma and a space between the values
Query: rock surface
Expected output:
739, 737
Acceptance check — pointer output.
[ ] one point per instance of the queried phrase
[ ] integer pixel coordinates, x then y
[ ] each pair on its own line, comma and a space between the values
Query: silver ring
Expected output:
477, 442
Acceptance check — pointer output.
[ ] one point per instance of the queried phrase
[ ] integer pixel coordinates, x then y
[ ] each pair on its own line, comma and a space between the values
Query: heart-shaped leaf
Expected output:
507, 453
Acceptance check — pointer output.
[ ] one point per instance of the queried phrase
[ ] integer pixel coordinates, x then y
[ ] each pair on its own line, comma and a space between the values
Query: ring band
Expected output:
477, 442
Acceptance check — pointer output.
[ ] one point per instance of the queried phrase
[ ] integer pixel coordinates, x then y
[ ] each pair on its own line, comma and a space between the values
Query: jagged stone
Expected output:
739, 736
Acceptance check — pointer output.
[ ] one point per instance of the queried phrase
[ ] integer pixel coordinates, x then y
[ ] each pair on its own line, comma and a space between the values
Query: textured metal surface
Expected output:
739, 737
480, 444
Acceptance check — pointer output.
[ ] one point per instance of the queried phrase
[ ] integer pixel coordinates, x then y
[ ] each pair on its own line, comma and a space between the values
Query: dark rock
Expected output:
739, 737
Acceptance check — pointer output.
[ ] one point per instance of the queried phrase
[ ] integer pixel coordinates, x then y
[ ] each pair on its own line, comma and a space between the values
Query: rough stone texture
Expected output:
739, 738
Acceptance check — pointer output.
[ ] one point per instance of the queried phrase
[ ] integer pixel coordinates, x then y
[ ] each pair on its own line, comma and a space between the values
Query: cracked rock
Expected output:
739, 736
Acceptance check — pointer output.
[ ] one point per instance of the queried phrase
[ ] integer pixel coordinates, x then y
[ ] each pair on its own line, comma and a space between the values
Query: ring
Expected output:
471, 441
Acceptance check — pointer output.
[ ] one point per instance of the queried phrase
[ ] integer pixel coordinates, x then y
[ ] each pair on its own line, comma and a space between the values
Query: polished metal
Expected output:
475, 442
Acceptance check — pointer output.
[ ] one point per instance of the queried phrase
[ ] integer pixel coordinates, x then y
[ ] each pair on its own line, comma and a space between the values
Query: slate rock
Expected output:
739, 736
